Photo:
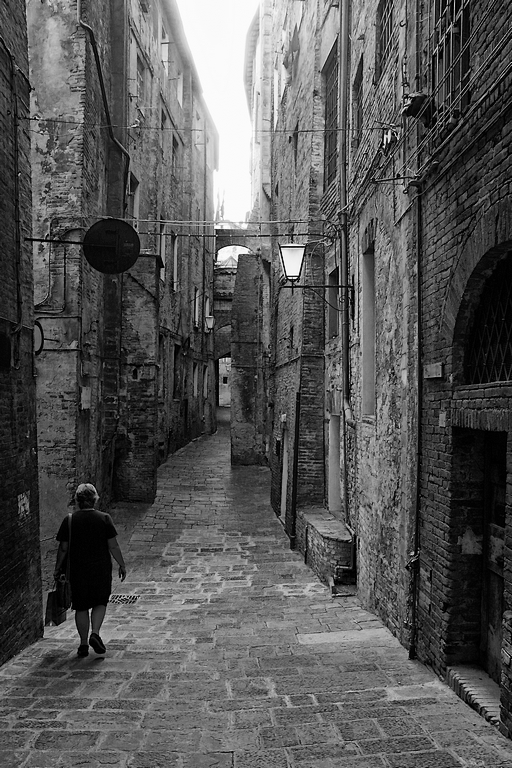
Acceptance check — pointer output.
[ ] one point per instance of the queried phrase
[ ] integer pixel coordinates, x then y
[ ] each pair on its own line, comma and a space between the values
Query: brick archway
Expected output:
493, 228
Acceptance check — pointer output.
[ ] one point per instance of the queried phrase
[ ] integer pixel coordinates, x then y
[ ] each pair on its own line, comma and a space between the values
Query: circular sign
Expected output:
111, 246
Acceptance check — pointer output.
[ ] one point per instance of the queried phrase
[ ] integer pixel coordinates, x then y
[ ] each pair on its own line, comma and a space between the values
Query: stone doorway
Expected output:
478, 529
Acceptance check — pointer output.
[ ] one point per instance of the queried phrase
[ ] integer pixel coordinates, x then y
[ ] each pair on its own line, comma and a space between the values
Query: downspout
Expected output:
344, 54
413, 563
295, 473
97, 59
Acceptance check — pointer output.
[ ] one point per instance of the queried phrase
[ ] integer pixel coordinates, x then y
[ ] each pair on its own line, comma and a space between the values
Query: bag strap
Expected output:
69, 549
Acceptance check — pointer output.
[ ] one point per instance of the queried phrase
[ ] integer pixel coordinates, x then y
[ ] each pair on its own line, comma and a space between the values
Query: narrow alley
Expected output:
224, 650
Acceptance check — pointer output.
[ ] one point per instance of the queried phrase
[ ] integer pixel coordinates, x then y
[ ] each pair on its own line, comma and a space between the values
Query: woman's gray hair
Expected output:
86, 495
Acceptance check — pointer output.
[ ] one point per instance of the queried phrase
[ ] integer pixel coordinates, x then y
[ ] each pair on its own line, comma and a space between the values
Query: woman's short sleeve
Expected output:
111, 530
63, 532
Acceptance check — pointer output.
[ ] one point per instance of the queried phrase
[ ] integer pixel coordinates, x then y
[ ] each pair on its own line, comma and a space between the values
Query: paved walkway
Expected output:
233, 655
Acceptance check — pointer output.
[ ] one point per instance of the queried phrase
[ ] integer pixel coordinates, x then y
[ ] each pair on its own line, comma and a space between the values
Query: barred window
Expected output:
330, 74
384, 34
357, 104
488, 354
141, 82
450, 57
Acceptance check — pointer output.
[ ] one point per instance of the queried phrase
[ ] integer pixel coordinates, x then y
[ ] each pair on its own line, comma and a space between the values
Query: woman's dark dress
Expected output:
91, 563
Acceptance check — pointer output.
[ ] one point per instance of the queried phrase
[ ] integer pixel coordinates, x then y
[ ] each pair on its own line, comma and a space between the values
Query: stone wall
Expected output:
248, 363
20, 580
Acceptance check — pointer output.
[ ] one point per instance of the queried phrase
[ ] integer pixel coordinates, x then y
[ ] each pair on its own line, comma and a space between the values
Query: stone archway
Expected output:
241, 300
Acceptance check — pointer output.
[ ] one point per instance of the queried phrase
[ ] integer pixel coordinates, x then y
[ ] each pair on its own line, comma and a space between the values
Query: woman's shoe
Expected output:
83, 650
96, 643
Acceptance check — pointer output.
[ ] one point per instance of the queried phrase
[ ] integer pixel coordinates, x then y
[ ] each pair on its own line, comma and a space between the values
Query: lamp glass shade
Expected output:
292, 257
209, 322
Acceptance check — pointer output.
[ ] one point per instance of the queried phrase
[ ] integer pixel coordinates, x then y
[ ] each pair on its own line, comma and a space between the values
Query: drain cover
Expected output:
124, 599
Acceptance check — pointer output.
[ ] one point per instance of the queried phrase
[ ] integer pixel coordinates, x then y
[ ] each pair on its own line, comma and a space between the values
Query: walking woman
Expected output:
88, 537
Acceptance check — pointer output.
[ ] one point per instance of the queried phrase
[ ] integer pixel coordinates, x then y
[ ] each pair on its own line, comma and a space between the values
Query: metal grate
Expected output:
330, 74
124, 599
489, 351
450, 60
384, 34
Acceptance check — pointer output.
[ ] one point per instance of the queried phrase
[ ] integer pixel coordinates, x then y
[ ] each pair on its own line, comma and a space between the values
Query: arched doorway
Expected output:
481, 464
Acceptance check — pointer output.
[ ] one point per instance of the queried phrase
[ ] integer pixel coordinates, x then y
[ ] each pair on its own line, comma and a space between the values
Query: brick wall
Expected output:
20, 581
248, 369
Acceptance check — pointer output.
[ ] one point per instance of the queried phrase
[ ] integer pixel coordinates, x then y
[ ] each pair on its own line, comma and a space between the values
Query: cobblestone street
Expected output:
224, 650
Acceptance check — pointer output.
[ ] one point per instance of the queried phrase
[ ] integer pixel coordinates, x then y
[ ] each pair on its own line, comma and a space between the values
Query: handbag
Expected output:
63, 584
55, 613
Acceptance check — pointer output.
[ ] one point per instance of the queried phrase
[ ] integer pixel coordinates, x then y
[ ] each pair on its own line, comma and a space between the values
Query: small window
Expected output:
164, 49
450, 59
162, 247
141, 82
295, 140
357, 105
330, 77
489, 349
179, 88
175, 157
333, 315
175, 263
133, 201
385, 22
196, 307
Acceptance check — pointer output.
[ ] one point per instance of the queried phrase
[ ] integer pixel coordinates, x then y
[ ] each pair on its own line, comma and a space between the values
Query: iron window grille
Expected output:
357, 105
141, 82
385, 22
488, 354
331, 118
450, 60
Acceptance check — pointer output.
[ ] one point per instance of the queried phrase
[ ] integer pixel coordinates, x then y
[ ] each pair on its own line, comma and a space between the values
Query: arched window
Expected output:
488, 353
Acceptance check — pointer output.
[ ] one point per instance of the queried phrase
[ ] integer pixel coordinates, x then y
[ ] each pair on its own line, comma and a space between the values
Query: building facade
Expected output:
389, 127
20, 579
121, 131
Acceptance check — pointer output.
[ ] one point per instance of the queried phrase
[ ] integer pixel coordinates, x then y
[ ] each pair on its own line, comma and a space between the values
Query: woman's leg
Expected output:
97, 616
82, 625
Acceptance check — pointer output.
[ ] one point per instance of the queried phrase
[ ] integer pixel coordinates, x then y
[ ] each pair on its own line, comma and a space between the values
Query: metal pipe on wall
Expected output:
101, 80
344, 54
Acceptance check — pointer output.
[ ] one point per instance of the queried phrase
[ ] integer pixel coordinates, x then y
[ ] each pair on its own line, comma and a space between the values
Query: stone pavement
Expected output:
230, 655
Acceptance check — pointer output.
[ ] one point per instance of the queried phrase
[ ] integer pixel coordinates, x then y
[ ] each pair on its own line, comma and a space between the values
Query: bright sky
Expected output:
216, 31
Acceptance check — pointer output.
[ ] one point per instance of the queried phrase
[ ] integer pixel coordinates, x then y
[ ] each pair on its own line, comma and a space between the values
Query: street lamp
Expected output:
292, 258
209, 322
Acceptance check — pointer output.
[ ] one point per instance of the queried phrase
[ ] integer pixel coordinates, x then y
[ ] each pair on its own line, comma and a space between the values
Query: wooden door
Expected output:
493, 553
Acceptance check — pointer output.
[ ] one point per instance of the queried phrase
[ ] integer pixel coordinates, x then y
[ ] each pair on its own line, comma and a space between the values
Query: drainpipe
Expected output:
344, 53
413, 564
295, 473
97, 59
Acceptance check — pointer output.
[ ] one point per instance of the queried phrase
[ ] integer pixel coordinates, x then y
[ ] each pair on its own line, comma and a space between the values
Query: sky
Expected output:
216, 32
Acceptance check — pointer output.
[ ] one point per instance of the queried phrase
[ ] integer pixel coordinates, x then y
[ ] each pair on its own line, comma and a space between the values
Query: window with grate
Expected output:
488, 355
333, 314
357, 105
385, 23
330, 74
450, 58
141, 82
